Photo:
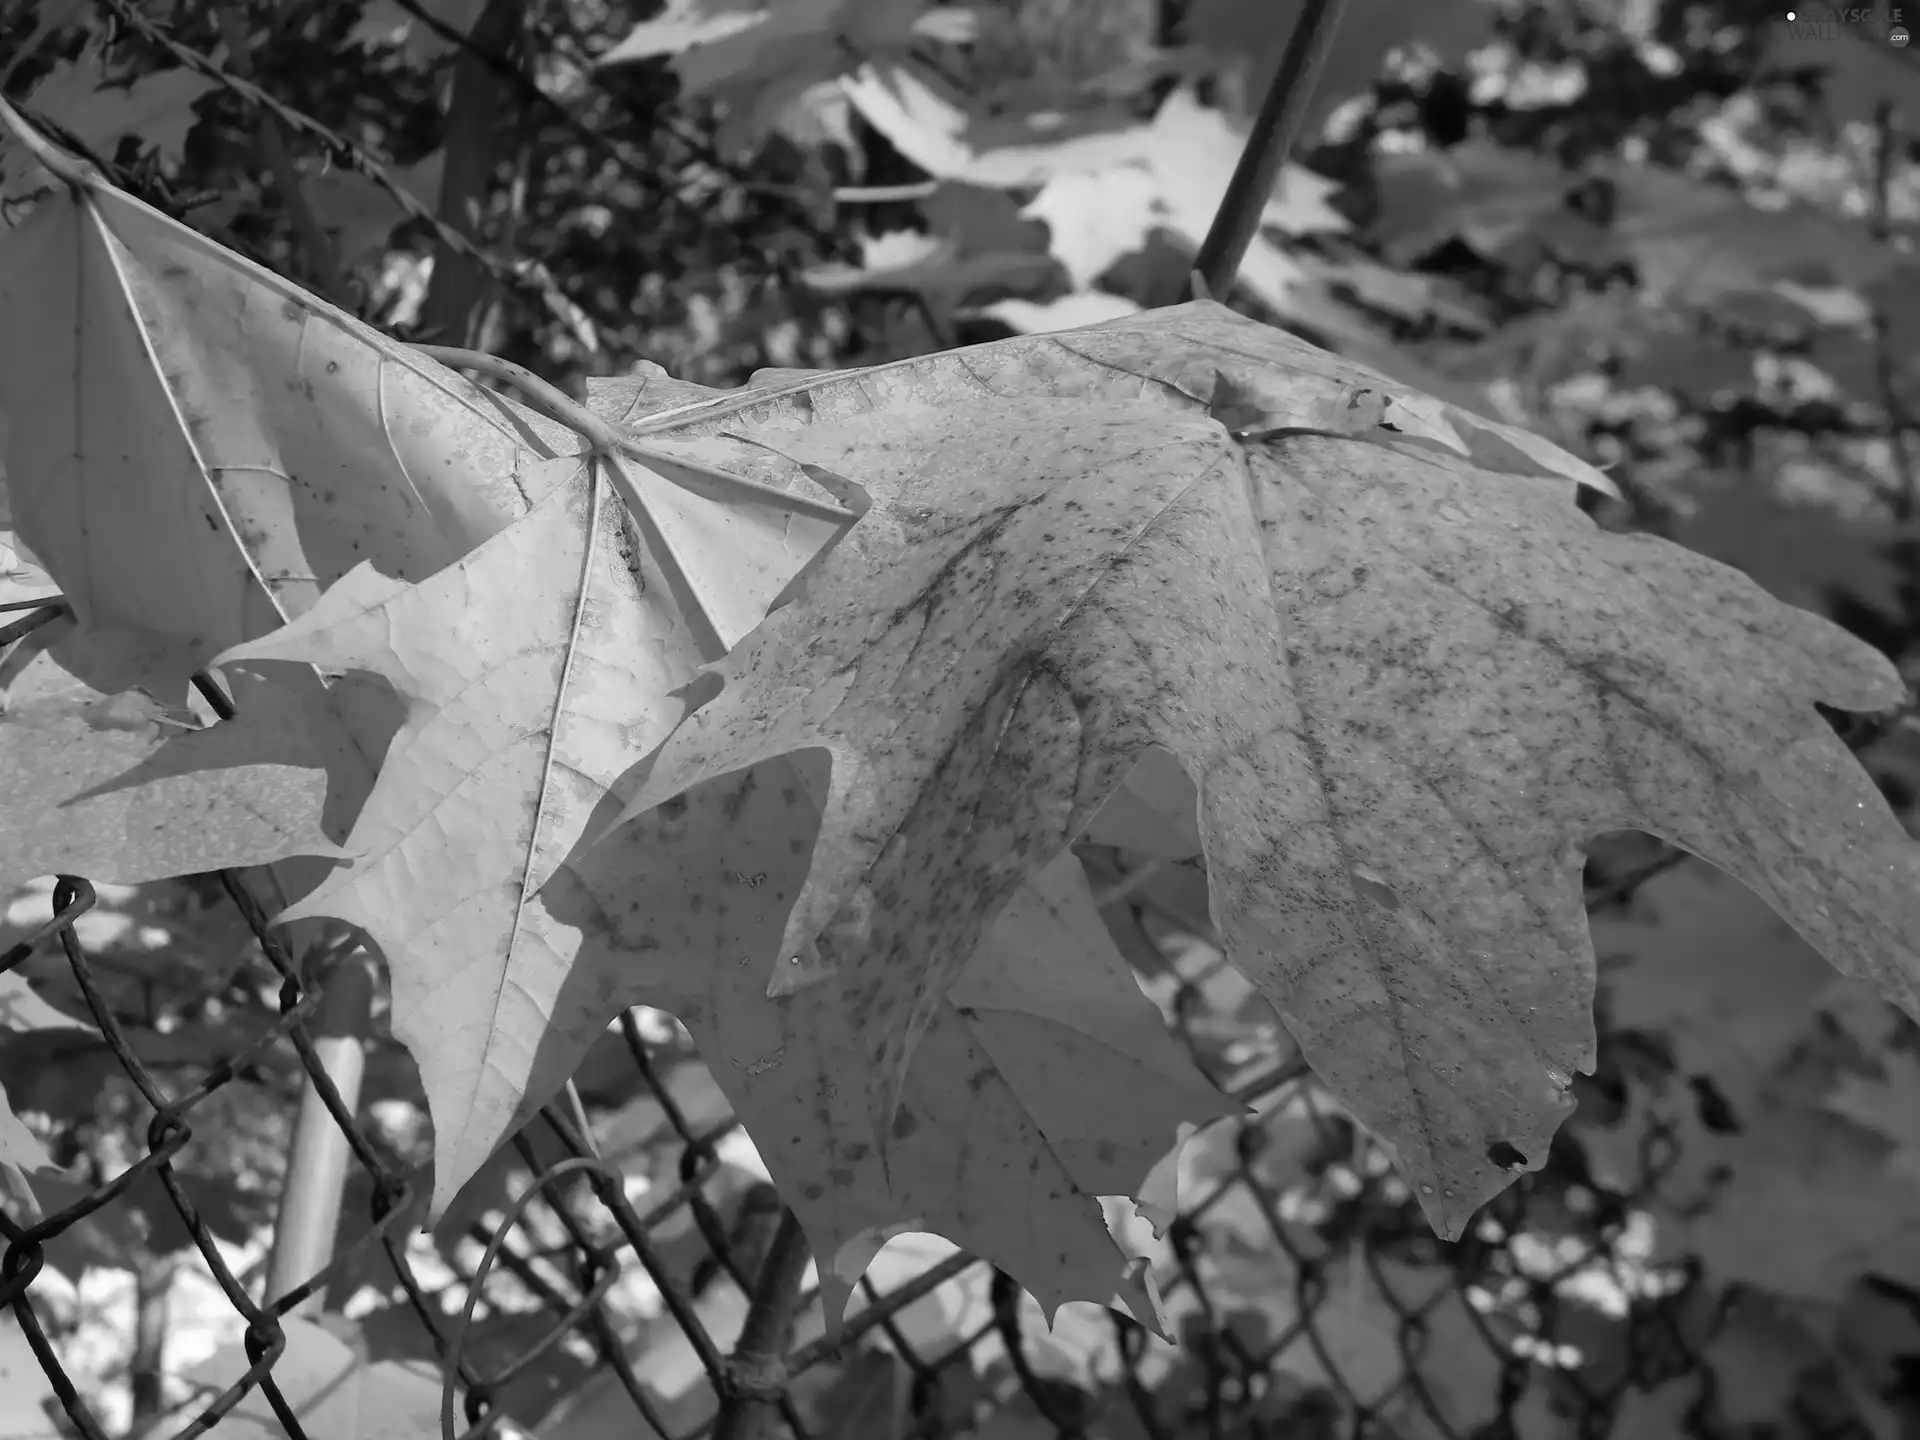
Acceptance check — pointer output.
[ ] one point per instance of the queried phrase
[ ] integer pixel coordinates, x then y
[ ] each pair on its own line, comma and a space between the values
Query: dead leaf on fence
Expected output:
1409, 690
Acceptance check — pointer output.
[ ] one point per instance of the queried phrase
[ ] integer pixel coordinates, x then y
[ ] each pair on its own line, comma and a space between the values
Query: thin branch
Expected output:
1274, 131
756, 1374
610, 443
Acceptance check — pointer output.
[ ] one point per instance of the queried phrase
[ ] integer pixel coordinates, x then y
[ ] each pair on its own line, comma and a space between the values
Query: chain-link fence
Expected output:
1309, 1295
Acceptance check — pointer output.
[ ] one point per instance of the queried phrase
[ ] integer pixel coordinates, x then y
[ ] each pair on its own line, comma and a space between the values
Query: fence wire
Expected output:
1263, 1269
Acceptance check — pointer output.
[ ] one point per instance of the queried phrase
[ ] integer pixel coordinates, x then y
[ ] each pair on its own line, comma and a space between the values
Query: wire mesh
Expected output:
1308, 1236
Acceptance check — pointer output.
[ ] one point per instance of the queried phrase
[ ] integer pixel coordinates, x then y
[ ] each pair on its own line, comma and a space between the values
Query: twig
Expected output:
756, 1373
64, 167
606, 440
1274, 131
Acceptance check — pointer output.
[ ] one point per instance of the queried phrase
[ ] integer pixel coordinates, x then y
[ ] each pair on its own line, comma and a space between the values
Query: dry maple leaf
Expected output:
1409, 690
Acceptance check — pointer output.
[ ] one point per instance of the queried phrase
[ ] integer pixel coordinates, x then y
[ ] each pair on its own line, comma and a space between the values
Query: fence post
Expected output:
309, 1212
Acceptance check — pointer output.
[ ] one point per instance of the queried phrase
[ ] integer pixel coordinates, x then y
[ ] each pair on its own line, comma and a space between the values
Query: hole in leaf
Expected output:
1374, 888
1506, 1155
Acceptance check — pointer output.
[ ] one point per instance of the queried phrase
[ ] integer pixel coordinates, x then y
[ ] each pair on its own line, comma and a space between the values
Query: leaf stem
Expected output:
1274, 131
607, 440
756, 1372
67, 168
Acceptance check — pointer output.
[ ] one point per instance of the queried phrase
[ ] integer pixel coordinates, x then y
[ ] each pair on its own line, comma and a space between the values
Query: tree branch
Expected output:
757, 1371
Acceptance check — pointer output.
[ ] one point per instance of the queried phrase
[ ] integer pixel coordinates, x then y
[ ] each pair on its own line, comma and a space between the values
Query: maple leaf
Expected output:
1886, 1104
123, 789
23, 1011
1067, 312
360, 213
382, 22
202, 503
1408, 690
1800, 552
933, 267
1104, 193
1767, 1187
156, 108
1690, 241
329, 1384
536, 671
240, 445
1006, 1130
758, 56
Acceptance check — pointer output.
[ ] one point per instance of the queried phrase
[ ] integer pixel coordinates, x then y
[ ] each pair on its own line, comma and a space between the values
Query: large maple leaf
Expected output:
501, 981
535, 670
526, 699
1409, 691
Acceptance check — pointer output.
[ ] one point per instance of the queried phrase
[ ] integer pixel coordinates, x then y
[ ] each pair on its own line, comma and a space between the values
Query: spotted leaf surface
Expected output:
1408, 678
